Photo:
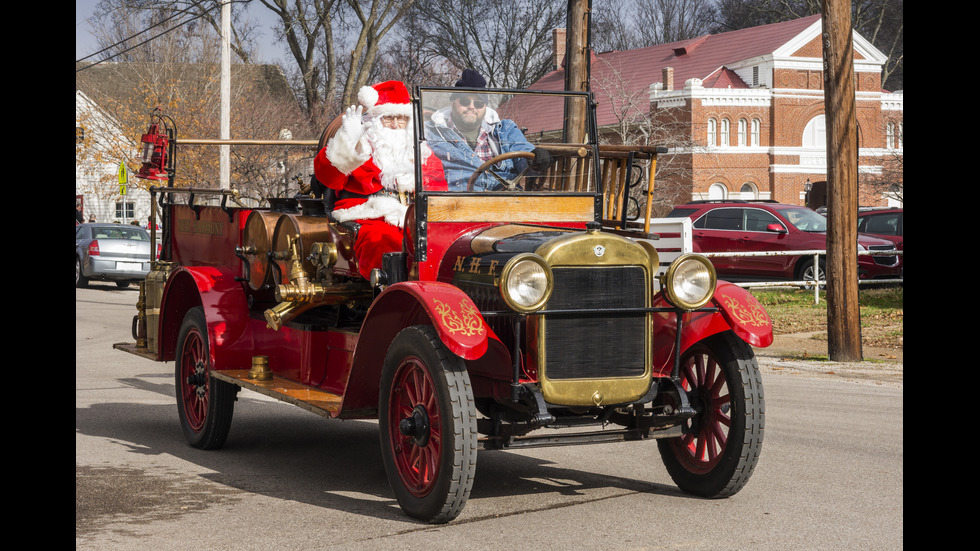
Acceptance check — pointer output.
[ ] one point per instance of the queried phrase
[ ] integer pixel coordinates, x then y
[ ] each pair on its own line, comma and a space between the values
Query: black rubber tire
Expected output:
807, 266
705, 462
422, 379
80, 279
204, 404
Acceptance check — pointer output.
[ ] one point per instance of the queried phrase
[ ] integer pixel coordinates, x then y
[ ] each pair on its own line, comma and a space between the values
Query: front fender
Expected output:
742, 310
456, 319
738, 311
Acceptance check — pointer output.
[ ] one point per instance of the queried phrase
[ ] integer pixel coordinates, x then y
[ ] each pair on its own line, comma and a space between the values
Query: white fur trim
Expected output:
346, 156
376, 206
367, 96
391, 109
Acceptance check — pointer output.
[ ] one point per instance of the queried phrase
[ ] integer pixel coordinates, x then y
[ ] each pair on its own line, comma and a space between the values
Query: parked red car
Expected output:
757, 226
884, 223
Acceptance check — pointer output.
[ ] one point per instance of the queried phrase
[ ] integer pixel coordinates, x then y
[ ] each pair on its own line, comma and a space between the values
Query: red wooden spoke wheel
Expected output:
205, 405
428, 426
720, 448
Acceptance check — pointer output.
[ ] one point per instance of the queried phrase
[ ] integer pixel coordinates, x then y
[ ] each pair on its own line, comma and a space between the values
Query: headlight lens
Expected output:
690, 281
526, 283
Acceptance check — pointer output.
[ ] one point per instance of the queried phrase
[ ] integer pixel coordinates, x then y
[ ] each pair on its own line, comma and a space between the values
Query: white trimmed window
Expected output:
718, 192
723, 135
743, 133
712, 132
756, 132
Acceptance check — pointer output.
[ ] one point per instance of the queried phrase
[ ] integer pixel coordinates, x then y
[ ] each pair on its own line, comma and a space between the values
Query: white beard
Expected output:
393, 153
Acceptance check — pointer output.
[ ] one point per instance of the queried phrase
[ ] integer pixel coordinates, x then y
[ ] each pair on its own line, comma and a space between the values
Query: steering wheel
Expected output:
485, 167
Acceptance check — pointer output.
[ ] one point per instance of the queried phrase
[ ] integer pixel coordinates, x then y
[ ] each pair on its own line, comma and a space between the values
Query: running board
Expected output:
317, 401
596, 437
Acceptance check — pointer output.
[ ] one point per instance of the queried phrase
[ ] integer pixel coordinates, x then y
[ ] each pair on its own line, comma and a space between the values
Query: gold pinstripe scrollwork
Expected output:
751, 313
466, 321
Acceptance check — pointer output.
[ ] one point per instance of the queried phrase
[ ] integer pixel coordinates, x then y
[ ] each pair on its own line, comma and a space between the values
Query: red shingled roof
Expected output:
704, 58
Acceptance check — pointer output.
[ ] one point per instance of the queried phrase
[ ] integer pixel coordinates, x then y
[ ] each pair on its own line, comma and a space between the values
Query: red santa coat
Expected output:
379, 211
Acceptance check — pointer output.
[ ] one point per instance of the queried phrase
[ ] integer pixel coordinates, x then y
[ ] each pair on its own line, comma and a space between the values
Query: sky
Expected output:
85, 43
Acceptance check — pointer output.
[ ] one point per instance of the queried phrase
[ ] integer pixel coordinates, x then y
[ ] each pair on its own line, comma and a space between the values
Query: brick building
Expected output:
741, 112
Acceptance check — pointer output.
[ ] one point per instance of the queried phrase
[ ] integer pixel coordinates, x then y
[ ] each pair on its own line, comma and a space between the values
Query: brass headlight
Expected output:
526, 283
690, 281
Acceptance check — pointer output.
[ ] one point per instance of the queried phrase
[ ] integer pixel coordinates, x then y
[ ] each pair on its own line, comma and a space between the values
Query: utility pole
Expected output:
843, 312
577, 52
224, 160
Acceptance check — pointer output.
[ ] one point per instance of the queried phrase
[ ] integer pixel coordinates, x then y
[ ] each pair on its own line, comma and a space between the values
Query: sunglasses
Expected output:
465, 102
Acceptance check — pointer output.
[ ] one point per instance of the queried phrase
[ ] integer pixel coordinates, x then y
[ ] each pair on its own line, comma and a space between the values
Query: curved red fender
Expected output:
456, 319
748, 318
225, 308
738, 311
454, 315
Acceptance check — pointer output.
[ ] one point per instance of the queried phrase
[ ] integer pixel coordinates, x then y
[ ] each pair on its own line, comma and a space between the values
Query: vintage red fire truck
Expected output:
530, 314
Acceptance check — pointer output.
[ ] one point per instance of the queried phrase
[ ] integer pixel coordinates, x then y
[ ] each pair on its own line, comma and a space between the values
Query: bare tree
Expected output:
148, 29
627, 25
508, 41
637, 122
179, 73
889, 182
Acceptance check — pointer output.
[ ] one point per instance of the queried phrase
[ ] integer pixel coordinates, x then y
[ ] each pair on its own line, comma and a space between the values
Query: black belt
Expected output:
403, 197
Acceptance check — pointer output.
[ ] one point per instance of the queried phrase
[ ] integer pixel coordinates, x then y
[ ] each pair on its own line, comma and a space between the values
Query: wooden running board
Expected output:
313, 400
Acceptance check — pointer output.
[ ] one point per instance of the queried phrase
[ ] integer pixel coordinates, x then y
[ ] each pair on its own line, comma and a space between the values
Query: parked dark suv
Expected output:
757, 226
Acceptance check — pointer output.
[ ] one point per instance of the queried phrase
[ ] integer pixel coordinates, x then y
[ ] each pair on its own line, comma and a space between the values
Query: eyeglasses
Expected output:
402, 120
477, 103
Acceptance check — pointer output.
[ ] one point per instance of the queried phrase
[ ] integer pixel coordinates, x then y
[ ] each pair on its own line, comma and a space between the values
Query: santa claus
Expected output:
370, 164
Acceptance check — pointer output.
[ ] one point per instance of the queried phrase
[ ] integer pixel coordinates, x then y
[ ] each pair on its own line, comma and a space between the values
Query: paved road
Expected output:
831, 474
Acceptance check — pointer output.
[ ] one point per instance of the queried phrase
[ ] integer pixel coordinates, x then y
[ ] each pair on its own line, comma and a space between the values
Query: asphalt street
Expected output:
830, 476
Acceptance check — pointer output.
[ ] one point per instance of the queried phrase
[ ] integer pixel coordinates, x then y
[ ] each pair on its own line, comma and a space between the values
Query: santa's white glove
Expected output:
397, 218
352, 124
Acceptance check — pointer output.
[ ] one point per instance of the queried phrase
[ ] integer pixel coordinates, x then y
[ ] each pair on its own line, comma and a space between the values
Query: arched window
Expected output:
718, 192
756, 132
743, 133
748, 191
890, 135
725, 127
815, 133
712, 132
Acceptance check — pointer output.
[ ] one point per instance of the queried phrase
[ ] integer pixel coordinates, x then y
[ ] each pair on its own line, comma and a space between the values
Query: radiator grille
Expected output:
605, 344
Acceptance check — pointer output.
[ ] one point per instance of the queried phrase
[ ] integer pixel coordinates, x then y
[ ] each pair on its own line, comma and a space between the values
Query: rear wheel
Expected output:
428, 426
720, 449
204, 404
80, 279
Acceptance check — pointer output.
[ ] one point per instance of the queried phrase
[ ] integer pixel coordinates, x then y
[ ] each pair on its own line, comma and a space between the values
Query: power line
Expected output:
152, 38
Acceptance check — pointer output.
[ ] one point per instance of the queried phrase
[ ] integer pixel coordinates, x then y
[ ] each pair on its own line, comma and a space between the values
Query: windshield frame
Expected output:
590, 199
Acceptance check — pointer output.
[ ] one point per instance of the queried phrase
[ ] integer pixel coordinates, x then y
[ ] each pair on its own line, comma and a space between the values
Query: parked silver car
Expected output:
111, 252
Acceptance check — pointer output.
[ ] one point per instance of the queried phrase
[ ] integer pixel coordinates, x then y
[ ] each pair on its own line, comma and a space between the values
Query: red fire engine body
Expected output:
504, 313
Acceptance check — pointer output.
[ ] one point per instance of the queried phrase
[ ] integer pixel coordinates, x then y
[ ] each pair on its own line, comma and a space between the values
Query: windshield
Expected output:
804, 219
490, 141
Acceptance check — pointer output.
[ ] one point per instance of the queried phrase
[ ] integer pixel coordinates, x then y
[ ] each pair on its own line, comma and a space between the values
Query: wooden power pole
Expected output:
843, 313
576, 67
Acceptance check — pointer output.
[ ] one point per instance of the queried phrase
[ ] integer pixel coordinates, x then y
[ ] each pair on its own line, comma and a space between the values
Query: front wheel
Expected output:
428, 426
810, 272
720, 449
204, 404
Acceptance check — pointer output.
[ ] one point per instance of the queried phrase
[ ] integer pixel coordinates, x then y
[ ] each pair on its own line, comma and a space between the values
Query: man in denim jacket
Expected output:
467, 133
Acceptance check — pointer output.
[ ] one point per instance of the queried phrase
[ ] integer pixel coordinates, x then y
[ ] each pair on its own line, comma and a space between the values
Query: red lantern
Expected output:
156, 152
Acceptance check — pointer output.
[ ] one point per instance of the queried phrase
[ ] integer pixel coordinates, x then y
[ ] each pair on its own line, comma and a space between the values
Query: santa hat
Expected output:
385, 98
